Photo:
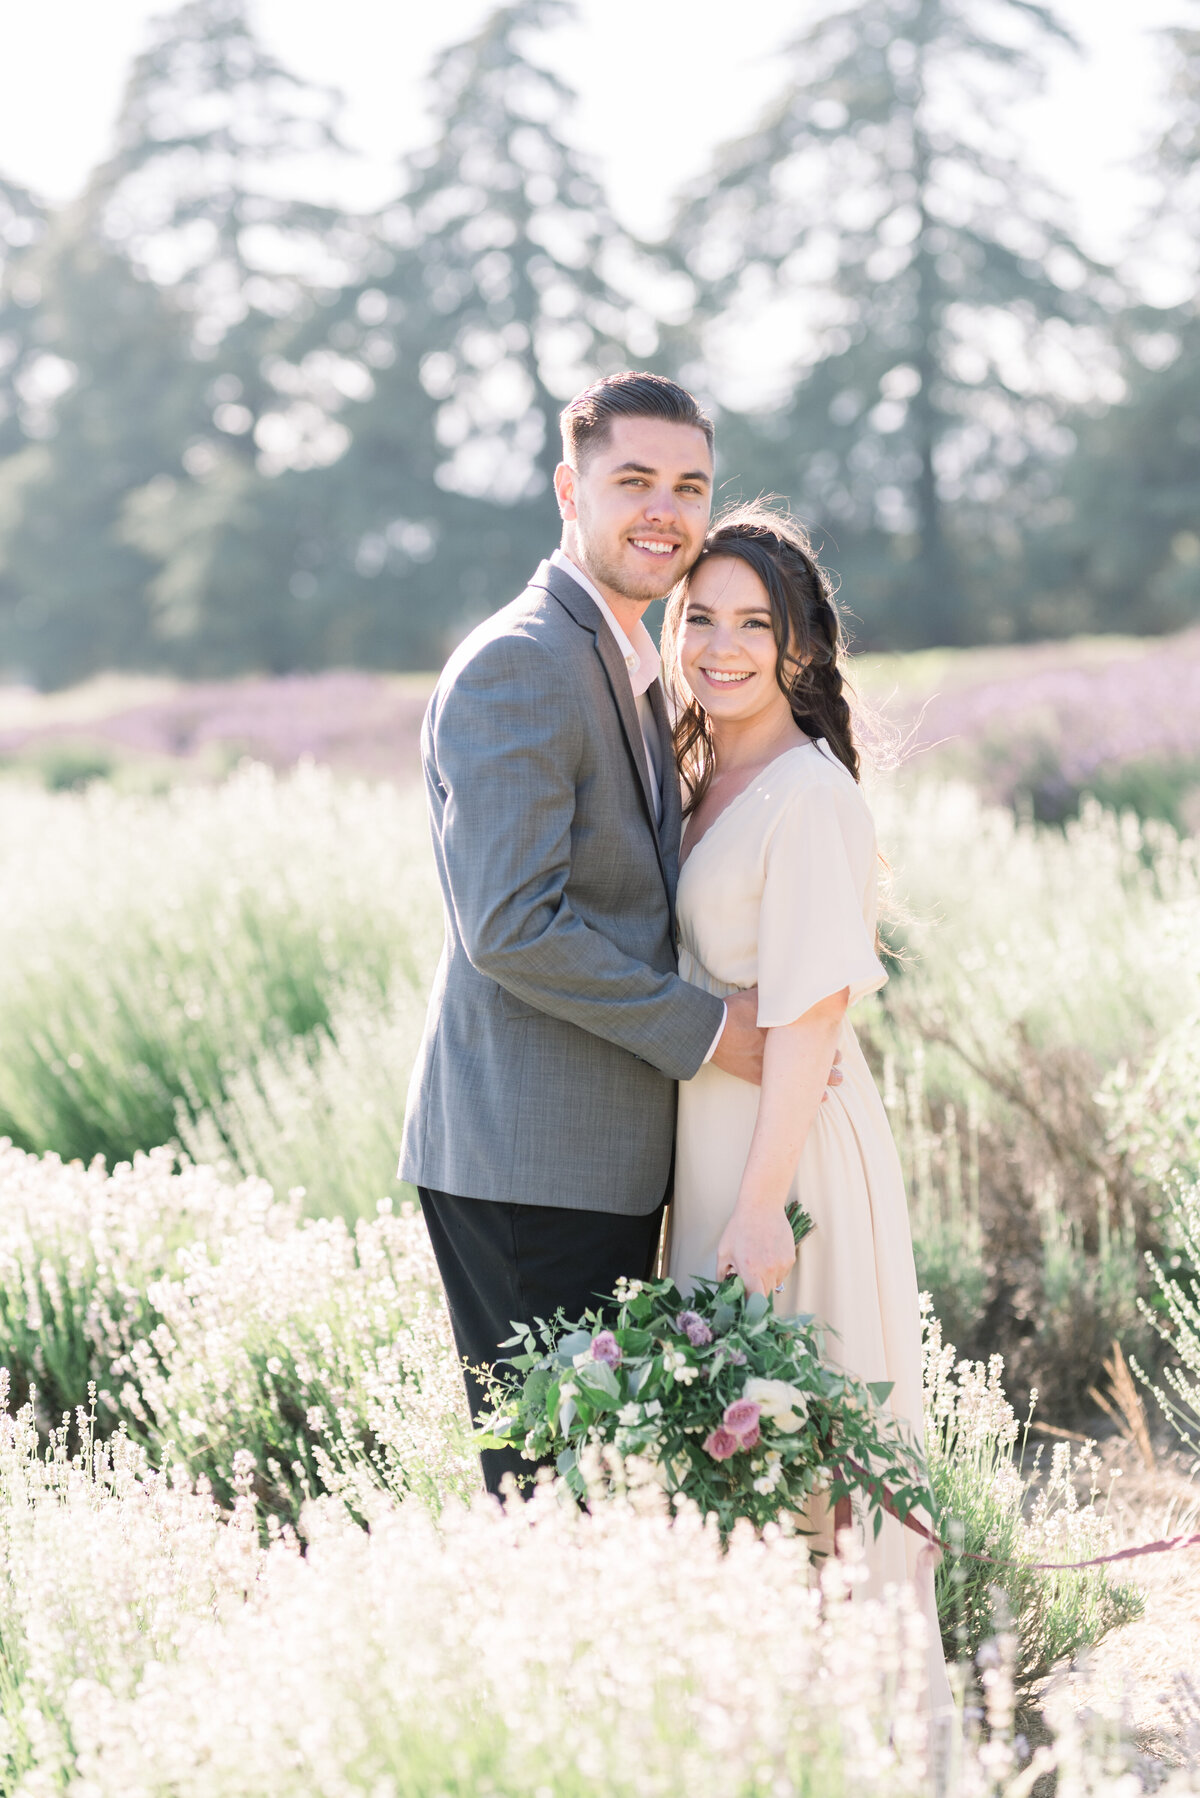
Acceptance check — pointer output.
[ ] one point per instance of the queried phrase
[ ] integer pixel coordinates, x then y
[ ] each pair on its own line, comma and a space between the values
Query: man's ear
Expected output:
565, 478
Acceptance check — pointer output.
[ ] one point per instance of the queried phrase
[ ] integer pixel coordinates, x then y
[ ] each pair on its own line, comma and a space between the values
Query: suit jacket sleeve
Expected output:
502, 744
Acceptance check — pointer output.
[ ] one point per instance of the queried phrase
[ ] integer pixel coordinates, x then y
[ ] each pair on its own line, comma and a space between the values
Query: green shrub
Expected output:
212, 1324
1040, 974
1174, 1313
991, 1506
323, 1114
152, 949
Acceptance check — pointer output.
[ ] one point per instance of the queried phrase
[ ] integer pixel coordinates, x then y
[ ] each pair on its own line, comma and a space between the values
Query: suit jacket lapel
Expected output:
586, 613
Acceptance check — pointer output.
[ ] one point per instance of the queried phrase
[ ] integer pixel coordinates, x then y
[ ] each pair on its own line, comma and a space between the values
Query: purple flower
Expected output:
694, 1328
606, 1348
741, 1420
720, 1444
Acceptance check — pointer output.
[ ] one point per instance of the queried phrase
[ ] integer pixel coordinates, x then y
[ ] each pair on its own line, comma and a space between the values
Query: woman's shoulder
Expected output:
810, 777
813, 767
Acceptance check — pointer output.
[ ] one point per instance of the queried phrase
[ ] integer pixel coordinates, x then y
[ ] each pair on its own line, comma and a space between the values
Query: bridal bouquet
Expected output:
737, 1407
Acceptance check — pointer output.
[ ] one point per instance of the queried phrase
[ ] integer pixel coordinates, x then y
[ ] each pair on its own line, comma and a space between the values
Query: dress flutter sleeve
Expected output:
814, 938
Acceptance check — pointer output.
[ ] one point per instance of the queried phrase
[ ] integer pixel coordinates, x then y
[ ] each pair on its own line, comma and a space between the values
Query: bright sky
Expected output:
658, 87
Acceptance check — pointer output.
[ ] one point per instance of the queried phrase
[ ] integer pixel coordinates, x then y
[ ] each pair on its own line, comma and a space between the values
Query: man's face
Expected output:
637, 511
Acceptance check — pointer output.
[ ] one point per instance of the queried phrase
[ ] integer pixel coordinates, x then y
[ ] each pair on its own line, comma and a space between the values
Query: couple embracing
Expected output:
659, 908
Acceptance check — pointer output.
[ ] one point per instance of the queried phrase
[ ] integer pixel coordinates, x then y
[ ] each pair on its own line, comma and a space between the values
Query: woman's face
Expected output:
727, 650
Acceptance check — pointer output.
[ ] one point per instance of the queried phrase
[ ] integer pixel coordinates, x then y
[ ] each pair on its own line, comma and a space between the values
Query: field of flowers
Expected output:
226, 1351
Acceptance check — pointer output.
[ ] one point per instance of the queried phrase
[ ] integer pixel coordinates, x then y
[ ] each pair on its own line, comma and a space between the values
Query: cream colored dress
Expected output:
780, 892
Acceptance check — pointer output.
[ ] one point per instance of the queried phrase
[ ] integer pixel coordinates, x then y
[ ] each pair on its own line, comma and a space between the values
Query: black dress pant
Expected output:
504, 1265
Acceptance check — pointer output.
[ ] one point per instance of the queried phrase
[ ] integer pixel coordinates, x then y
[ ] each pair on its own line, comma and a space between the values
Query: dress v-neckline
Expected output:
750, 787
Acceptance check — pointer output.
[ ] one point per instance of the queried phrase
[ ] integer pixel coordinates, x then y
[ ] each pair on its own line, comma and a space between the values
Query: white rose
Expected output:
785, 1405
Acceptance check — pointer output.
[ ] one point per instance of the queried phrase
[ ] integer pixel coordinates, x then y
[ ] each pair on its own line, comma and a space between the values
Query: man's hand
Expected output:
758, 1244
740, 1050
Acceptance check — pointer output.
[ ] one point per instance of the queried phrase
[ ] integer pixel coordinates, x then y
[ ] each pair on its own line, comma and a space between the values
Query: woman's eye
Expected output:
698, 618
758, 624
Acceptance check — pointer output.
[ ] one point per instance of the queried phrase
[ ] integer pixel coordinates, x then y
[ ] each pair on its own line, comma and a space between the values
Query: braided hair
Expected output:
808, 636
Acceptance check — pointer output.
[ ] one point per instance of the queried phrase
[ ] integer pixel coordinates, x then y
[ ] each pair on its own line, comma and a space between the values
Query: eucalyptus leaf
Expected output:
598, 1378
757, 1306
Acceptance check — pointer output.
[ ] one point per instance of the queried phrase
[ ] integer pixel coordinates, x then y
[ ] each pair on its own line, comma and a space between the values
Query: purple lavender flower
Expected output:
606, 1348
693, 1326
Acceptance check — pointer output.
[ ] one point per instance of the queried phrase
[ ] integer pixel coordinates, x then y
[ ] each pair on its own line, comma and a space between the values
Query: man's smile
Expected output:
654, 546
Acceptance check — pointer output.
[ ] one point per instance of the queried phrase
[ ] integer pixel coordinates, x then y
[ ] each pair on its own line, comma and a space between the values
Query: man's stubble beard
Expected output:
605, 573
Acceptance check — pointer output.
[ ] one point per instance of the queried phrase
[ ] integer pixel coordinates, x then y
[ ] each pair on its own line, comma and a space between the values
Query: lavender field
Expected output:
1033, 726
217, 925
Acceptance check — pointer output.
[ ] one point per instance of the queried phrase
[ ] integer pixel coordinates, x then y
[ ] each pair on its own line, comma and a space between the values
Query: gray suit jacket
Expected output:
558, 1023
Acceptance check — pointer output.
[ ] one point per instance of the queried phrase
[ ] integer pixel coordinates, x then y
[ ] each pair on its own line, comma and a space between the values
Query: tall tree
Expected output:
880, 227
495, 294
1128, 555
220, 149
102, 389
147, 524
23, 220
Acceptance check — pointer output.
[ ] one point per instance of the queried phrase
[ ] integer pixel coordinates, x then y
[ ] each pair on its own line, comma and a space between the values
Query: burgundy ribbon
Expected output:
842, 1517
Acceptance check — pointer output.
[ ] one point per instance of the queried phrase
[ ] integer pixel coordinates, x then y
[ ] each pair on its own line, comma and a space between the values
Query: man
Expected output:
541, 1114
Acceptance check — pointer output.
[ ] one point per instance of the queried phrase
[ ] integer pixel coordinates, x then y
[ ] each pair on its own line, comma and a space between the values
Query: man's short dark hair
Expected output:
587, 419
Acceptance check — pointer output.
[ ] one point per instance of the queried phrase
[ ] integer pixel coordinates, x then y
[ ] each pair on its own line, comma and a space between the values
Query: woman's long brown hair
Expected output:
808, 637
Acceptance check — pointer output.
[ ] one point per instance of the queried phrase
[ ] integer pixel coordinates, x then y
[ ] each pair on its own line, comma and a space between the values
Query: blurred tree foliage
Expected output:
924, 294
242, 426
1127, 556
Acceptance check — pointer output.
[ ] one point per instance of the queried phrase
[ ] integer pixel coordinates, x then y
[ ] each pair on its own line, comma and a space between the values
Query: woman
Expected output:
778, 890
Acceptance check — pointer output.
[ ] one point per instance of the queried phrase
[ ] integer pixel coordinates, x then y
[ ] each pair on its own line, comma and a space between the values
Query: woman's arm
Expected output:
757, 1242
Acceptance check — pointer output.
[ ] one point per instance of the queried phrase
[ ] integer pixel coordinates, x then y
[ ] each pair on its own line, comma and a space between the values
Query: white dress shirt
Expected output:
643, 663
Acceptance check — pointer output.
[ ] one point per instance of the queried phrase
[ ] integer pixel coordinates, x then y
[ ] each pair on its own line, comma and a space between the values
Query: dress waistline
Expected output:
696, 974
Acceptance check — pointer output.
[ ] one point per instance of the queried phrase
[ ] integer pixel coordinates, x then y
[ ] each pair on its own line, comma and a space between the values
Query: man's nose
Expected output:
660, 505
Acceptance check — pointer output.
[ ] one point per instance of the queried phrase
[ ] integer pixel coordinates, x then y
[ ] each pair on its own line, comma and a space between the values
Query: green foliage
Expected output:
990, 1506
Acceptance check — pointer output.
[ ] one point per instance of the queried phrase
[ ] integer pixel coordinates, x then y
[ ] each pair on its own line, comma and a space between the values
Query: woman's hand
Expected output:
759, 1245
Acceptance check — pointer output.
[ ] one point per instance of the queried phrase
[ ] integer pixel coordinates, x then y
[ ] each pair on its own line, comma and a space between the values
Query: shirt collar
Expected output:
639, 654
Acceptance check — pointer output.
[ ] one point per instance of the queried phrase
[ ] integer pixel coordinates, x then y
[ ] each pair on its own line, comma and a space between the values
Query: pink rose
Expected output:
741, 1419
606, 1348
752, 1438
721, 1444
